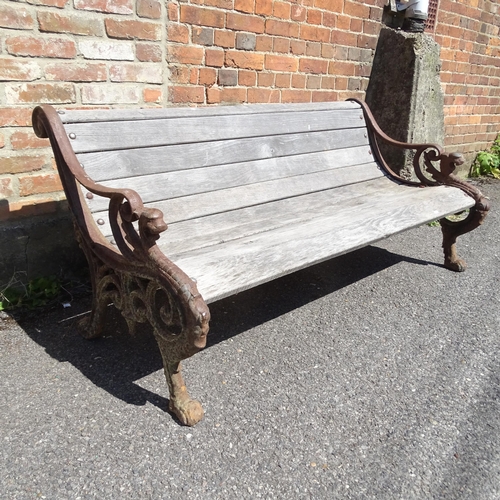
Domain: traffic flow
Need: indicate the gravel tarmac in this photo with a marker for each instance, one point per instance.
(375, 375)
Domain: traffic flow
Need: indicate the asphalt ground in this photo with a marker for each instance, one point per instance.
(374, 375)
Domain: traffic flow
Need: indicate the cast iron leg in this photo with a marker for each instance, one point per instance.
(452, 230)
(188, 411)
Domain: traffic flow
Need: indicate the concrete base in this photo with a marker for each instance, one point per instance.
(39, 246)
(405, 93)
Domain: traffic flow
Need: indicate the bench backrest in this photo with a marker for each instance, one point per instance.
(190, 162)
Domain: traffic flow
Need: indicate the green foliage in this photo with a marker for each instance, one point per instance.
(38, 292)
(487, 162)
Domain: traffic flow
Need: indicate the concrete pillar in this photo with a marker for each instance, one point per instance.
(404, 93)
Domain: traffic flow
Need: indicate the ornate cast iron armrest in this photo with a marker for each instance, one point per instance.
(428, 155)
(137, 278)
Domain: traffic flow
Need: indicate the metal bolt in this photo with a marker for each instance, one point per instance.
(89, 196)
(61, 111)
(72, 135)
(100, 222)
(113, 242)
(369, 152)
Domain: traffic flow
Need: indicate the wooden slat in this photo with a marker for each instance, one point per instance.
(228, 268)
(105, 136)
(208, 229)
(169, 185)
(97, 115)
(106, 165)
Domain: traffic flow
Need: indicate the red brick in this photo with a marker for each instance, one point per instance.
(150, 9)
(55, 93)
(224, 39)
(152, 95)
(31, 207)
(329, 20)
(330, 5)
(328, 82)
(172, 11)
(298, 13)
(283, 80)
(322, 96)
(107, 6)
(37, 184)
(356, 9)
(299, 81)
(317, 66)
(244, 59)
(244, 6)
(207, 76)
(367, 41)
(247, 78)
(15, 17)
(180, 74)
(15, 117)
(297, 47)
(178, 33)
(26, 140)
(202, 16)
(313, 82)
(281, 10)
(191, 94)
(148, 52)
(264, 7)
(19, 164)
(356, 25)
(18, 69)
(281, 63)
(343, 22)
(282, 28)
(296, 95)
(49, 3)
(314, 33)
(242, 22)
(314, 16)
(74, 72)
(233, 95)
(185, 54)
(342, 68)
(76, 24)
(344, 38)
(313, 49)
(214, 57)
(132, 30)
(281, 45)
(41, 47)
(264, 43)
(265, 79)
(263, 95)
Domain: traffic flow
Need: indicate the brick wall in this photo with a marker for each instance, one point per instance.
(81, 53)
(123, 53)
(468, 33)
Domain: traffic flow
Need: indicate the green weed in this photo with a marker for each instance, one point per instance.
(487, 162)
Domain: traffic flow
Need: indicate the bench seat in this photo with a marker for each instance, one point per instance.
(177, 208)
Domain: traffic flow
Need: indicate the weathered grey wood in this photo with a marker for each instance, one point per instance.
(106, 165)
(228, 268)
(96, 115)
(247, 185)
(205, 230)
(106, 136)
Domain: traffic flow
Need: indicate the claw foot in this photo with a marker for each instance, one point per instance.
(458, 265)
(189, 412)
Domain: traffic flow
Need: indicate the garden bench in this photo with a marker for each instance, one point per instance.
(250, 193)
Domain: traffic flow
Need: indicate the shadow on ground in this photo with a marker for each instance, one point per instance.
(114, 361)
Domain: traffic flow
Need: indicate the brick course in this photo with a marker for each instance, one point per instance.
(126, 53)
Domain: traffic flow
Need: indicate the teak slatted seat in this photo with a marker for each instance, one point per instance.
(250, 193)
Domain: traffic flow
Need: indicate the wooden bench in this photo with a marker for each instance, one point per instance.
(250, 193)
